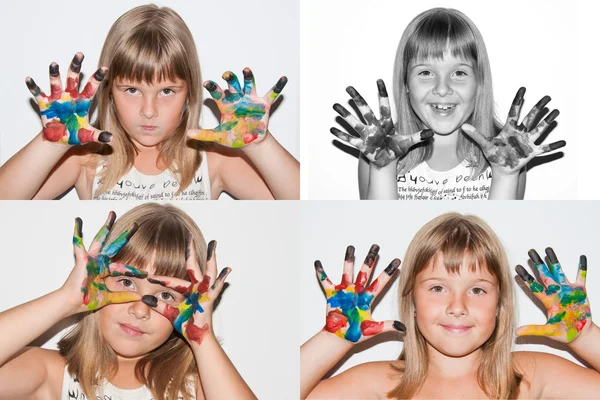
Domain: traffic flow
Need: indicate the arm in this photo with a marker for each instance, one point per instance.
(382, 183)
(363, 176)
(348, 322)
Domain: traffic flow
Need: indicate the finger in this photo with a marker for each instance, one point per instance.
(170, 312)
(249, 83)
(116, 245)
(276, 90)
(400, 144)
(34, 89)
(233, 83)
(538, 330)
(350, 119)
(582, 271)
(323, 279)
(215, 90)
(179, 285)
(474, 134)
(73, 76)
(208, 135)
(542, 126)
(542, 269)
(531, 283)
(216, 288)
(362, 105)
(109, 297)
(118, 269)
(211, 260)
(365, 270)
(384, 100)
(529, 120)
(546, 148)
(372, 328)
(93, 83)
(555, 268)
(348, 273)
(100, 238)
(78, 247)
(346, 137)
(379, 284)
(515, 109)
(55, 82)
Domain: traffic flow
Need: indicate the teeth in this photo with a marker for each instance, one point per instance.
(443, 107)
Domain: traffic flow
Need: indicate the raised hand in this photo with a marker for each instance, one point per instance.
(244, 115)
(567, 303)
(378, 141)
(65, 112)
(95, 264)
(514, 146)
(349, 304)
(193, 316)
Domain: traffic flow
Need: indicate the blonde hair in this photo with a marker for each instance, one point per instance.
(430, 35)
(160, 242)
(148, 44)
(454, 236)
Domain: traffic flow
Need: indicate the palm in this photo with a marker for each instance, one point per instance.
(566, 303)
(244, 115)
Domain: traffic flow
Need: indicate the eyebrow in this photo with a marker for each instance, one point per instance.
(455, 65)
(437, 278)
(123, 85)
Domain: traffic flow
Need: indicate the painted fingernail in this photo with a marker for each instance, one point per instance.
(210, 86)
(248, 74)
(211, 248)
(112, 216)
(351, 91)
(552, 116)
(340, 110)
(524, 274)
(318, 265)
(76, 63)
(583, 263)
(381, 88)
(557, 145)
(105, 137)
(54, 70)
(370, 259)
(535, 257)
(426, 134)
(150, 301)
(519, 97)
(349, 254)
(399, 326)
(132, 231)
(280, 84)
(551, 255)
(30, 84)
(79, 225)
(228, 76)
(223, 272)
(392, 267)
(100, 75)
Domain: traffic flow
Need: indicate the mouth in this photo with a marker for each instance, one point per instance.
(443, 109)
(456, 328)
(131, 330)
(148, 127)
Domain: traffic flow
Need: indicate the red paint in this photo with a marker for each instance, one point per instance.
(195, 333)
(343, 285)
(580, 324)
(55, 92)
(374, 286)
(88, 91)
(203, 288)
(361, 281)
(54, 131)
(171, 312)
(72, 88)
(335, 321)
(370, 328)
(249, 138)
(85, 136)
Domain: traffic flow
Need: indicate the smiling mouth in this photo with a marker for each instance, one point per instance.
(443, 107)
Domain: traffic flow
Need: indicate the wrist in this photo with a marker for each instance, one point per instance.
(253, 147)
(498, 172)
(334, 342)
(54, 147)
(204, 336)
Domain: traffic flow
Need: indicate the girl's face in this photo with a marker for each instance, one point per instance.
(442, 92)
(149, 113)
(133, 329)
(456, 313)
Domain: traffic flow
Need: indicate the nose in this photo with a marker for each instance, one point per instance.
(457, 306)
(139, 310)
(442, 86)
(149, 108)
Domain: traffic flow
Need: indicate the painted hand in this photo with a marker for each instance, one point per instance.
(244, 115)
(192, 317)
(349, 304)
(567, 303)
(98, 266)
(515, 145)
(65, 112)
(378, 141)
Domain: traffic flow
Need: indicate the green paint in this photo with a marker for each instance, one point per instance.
(77, 241)
(216, 95)
(553, 289)
(256, 111)
(571, 333)
(578, 296)
(323, 275)
(226, 127)
(583, 274)
(536, 287)
(237, 143)
(557, 318)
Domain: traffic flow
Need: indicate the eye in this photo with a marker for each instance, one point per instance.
(437, 289)
(425, 73)
(461, 73)
(131, 90)
(168, 92)
(165, 296)
(478, 291)
(126, 283)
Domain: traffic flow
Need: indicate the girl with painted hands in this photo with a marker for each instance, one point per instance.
(447, 143)
(145, 332)
(148, 105)
(456, 302)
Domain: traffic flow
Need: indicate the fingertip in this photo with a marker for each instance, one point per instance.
(280, 84)
(53, 70)
(535, 257)
(426, 134)
(100, 74)
(399, 326)
(212, 245)
(150, 301)
(468, 128)
(318, 265)
(105, 137)
(583, 262)
(349, 257)
(381, 88)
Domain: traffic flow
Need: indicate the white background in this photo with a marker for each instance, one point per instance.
(547, 46)
(256, 319)
(570, 228)
(262, 35)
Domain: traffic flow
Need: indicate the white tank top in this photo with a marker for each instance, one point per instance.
(424, 183)
(71, 390)
(137, 186)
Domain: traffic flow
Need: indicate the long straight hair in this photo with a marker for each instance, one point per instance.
(160, 242)
(431, 34)
(149, 44)
(458, 239)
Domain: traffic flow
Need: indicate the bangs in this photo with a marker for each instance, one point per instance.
(440, 33)
(149, 55)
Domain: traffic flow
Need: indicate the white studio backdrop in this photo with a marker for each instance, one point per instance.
(530, 43)
(229, 37)
(255, 317)
(328, 228)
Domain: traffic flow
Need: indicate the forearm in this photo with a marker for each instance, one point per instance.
(218, 376)
(278, 168)
(23, 174)
(503, 187)
(382, 183)
(23, 324)
(317, 356)
(587, 346)
(364, 170)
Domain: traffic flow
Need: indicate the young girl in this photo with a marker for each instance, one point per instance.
(123, 348)
(456, 304)
(442, 89)
(148, 97)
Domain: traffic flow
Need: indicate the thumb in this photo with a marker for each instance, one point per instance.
(91, 134)
(208, 135)
(538, 330)
(474, 134)
(372, 328)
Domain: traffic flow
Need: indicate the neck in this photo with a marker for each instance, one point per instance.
(444, 155)
(444, 367)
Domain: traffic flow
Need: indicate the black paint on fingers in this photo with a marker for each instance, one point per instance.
(370, 259)
(150, 301)
(100, 75)
(133, 230)
(381, 88)
(522, 272)
(280, 84)
(112, 217)
(222, 274)
(392, 267)
(79, 225)
(53, 69)
(76, 63)
(248, 74)
(211, 248)
(583, 263)
(210, 86)
(535, 257)
(555, 145)
(551, 255)
(519, 97)
(552, 116)
(358, 99)
(318, 265)
(399, 326)
(105, 137)
(542, 103)
(341, 110)
(426, 134)
(31, 85)
(349, 254)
